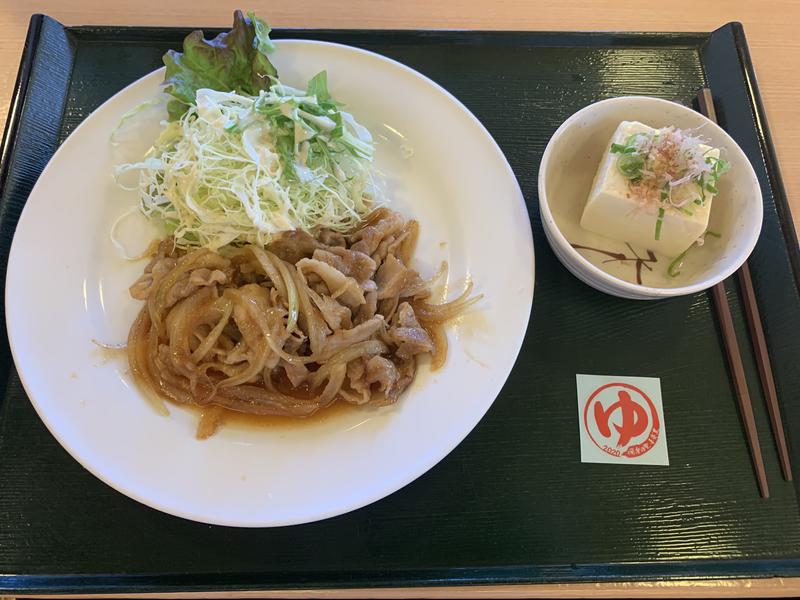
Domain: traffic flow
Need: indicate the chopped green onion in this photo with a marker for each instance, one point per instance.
(665, 192)
(711, 188)
(337, 131)
(718, 165)
(713, 234)
(698, 202)
(659, 222)
(701, 183)
(686, 211)
(630, 165)
(629, 147)
(674, 268)
(634, 138)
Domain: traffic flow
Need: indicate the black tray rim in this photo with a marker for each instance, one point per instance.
(112, 583)
(18, 96)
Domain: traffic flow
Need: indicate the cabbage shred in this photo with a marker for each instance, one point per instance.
(236, 169)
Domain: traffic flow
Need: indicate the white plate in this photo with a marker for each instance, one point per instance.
(67, 286)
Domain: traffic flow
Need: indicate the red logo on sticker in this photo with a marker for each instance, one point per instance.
(621, 420)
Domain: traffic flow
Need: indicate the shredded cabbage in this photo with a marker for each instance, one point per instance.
(236, 169)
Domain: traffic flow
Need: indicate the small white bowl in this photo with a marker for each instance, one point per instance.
(566, 173)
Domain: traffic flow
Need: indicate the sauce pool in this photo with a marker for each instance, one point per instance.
(243, 420)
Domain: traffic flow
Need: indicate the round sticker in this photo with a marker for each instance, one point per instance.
(621, 420)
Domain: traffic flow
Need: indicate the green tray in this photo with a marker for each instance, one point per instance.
(513, 503)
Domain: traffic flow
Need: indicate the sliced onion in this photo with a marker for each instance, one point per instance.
(292, 301)
(225, 306)
(368, 348)
(309, 315)
(269, 269)
(335, 381)
(441, 313)
(137, 359)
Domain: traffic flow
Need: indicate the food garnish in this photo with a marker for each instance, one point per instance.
(659, 162)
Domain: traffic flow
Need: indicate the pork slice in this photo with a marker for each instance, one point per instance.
(355, 372)
(296, 372)
(367, 310)
(360, 393)
(339, 285)
(388, 307)
(345, 338)
(336, 315)
(368, 238)
(206, 277)
(406, 368)
(406, 316)
(409, 336)
(382, 251)
(404, 243)
(382, 371)
(189, 284)
(394, 279)
(329, 237)
(292, 246)
(248, 325)
(153, 272)
(352, 263)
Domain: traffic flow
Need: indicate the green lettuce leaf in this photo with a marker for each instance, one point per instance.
(233, 61)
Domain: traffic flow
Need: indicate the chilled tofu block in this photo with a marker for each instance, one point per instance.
(614, 210)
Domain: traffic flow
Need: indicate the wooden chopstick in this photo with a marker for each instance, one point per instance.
(706, 104)
(757, 334)
(740, 383)
(764, 368)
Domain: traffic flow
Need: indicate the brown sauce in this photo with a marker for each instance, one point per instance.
(240, 420)
(237, 421)
(245, 421)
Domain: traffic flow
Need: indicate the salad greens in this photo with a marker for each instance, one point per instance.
(232, 61)
(246, 156)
